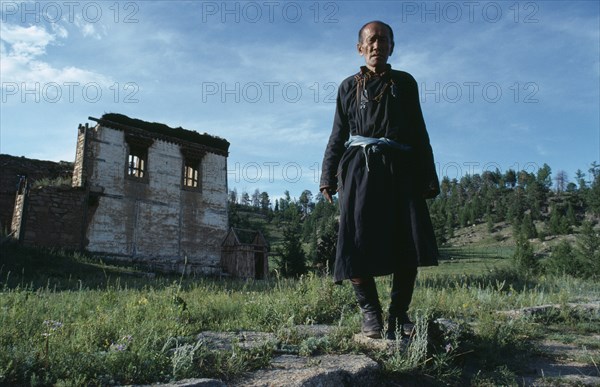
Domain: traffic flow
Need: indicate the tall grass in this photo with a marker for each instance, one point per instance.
(67, 319)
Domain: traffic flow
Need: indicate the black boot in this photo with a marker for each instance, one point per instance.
(403, 285)
(368, 300)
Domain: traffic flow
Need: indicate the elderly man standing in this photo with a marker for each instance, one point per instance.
(380, 161)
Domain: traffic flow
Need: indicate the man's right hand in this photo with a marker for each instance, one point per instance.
(327, 194)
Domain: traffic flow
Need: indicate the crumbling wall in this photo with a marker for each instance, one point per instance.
(50, 217)
(11, 168)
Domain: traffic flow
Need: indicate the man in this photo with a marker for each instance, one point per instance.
(380, 161)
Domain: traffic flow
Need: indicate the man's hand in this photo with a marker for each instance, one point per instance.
(431, 192)
(327, 194)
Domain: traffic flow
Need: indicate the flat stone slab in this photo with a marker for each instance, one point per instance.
(224, 341)
(316, 330)
(189, 383)
(316, 371)
(588, 307)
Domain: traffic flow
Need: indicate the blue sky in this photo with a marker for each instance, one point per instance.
(504, 84)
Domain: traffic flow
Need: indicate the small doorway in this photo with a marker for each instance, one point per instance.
(259, 265)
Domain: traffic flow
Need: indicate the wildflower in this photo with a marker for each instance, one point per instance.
(53, 325)
(448, 348)
(122, 344)
(118, 347)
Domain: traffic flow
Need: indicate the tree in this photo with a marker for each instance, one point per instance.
(292, 261)
(570, 215)
(306, 201)
(256, 198)
(561, 179)
(245, 201)
(583, 260)
(562, 259)
(510, 178)
(544, 176)
(326, 244)
(528, 227)
(558, 223)
(524, 178)
(593, 194)
(515, 206)
(284, 202)
(265, 203)
(489, 221)
(523, 257)
(588, 250)
(571, 187)
(580, 177)
(233, 196)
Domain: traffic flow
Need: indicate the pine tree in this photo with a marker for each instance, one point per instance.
(593, 193)
(326, 244)
(245, 201)
(528, 228)
(292, 262)
(489, 221)
(588, 250)
(558, 224)
(265, 202)
(524, 257)
(570, 216)
(449, 226)
(562, 259)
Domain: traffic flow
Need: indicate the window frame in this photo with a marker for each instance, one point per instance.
(194, 166)
(138, 149)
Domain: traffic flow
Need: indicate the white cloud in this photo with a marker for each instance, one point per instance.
(26, 42)
(87, 29)
(22, 50)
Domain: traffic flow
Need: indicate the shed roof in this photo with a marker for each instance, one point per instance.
(247, 237)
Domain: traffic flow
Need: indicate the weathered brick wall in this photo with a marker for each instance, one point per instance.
(53, 217)
(156, 222)
(11, 167)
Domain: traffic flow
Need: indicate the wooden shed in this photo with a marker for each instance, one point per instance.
(244, 254)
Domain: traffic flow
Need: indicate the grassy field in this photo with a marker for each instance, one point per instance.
(68, 320)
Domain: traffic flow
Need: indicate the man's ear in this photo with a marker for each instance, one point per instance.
(359, 49)
(391, 49)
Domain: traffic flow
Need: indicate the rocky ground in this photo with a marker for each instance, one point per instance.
(556, 363)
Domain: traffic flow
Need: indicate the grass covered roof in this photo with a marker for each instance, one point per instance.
(163, 130)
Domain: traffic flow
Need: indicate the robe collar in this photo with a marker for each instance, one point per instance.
(367, 73)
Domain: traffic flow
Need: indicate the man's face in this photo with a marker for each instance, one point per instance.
(376, 46)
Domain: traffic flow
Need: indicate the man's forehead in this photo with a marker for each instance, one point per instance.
(376, 29)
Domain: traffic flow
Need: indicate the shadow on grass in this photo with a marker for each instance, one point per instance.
(60, 270)
(56, 269)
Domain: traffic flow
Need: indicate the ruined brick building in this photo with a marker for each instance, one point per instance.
(141, 192)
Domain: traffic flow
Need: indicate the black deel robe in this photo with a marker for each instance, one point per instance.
(384, 221)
